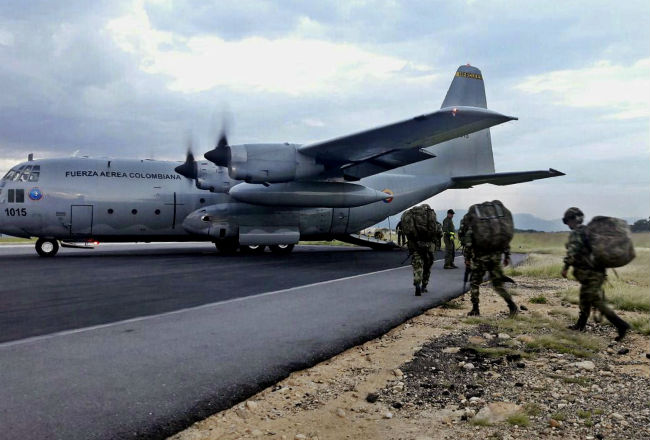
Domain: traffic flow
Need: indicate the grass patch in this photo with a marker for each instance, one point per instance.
(454, 305)
(519, 419)
(584, 414)
(325, 243)
(480, 422)
(582, 381)
(540, 299)
(560, 416)
(538, 266)
(640, 324)
(599, 411)
(580, 345)
(16, 240)
(532, 409)
(496, 352)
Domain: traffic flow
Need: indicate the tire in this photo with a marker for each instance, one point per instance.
(282, 248)
(252, 249)
(46, 247)
(227, 247)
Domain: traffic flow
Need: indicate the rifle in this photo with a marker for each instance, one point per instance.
(468, 271)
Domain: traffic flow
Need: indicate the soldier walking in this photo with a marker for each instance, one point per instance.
(591, 277)
(449, 234)
(486, 238)
(421, 229)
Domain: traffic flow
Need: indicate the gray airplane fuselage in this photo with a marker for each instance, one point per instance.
(145, 200)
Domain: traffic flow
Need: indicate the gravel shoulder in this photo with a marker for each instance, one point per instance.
(443, 375)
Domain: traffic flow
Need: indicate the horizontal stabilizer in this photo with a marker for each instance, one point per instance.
(502, 178)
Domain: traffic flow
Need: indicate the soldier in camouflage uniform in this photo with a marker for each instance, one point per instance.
(591, 278)
(422, 256)
(449, 234)
(491, 263)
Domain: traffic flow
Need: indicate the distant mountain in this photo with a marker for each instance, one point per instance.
(523, 221)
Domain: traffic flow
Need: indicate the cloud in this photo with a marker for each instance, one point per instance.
(289, 65)
(622, 90)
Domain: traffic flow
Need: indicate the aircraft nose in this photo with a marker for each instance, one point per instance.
(197, 222)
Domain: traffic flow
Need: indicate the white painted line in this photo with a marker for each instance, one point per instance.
(189, 309)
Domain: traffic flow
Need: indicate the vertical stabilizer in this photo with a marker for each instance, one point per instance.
(466, 89)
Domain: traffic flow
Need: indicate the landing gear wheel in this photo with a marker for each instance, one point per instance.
(227, 247)
(47, 247)
(252, 249)
(281, 248)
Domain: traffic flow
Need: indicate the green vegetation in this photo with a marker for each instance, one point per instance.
(582, 381)
(640, 323)
(519, 419)
(479, 422)
(496, 352)
(16, 240)
(584, 414)
(552, 335)
(325, 243)
(532, 409)
(560, 416)
(540, 299)
(454, 305)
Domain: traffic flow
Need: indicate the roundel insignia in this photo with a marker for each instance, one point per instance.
(35, 194)
(390, 193)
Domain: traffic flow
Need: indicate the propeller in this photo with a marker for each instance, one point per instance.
(188, 169)
(220, 155)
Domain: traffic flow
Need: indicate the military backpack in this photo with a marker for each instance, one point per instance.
(419, 224)
(610, 242)
(491, 225)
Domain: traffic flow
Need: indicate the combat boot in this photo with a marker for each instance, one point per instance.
(581, 324)
(621, 327)
(418, 292)
(475, 311)
(512, 308)
(424, 288)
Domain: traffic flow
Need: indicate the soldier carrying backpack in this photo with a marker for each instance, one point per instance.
(591, 249)
(422, 232)
(489, 229)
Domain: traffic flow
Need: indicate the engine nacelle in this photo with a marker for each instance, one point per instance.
(214, 180)
(270, 163)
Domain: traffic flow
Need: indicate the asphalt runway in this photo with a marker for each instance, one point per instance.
(140, 341)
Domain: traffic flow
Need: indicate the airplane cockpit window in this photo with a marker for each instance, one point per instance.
(9, 175)
(36, 172)
(24, 176)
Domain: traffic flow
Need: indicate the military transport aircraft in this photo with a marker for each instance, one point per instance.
(259, 195)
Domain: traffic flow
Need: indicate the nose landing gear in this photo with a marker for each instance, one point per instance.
(46, 247)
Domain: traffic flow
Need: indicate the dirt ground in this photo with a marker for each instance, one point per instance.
(443, 376)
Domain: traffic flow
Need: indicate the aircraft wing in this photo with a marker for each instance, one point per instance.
(394, 145)
(502, 178)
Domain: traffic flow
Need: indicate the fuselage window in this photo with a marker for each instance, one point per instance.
(10, 196)
(24, 176)
(134, 211)
(110, 210)
(202, 200)
(157, 211)
(36, 172)
(20, 196)
(18, 173)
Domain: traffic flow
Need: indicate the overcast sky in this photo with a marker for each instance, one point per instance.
(133, 78)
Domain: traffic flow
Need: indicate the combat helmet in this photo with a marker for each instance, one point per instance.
(573, 213)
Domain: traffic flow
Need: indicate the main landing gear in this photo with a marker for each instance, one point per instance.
(230, 247)
(47, 247)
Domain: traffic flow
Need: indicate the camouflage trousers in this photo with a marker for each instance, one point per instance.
(421, 260)
(592, 294)
(490, 263)
(449, 251)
